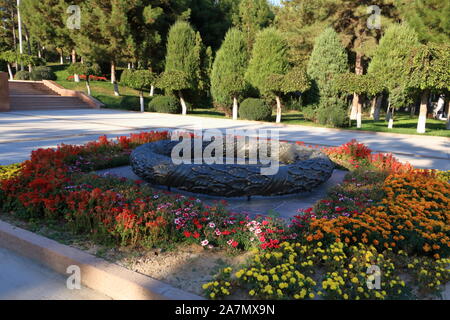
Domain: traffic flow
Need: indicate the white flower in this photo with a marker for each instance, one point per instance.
(205, 243)
(212, 225)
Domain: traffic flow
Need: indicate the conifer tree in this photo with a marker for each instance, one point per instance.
(269, 57)
(228, 73)
(389, 59)
(182, 58)
(327, 62)
(105, 33)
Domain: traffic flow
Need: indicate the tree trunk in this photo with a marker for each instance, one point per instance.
(152, 91)
(376, 113)
(61, 57)
(279, 110)
(359, 112)
(235, 108)
(74, 56)
(39, 50)
(88, 86)
(354, 110)
(141, 100)
(421, 125)
(390, 116)
(183, 104)
(113, 72)
(30, 68)
(113, 79)
(11, 77)
(359, 70)
(76, 78)
(373, 107)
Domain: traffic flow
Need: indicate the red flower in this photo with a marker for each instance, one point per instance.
(196, 235)
(187, 234)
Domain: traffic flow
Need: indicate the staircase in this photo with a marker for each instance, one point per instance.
(25, 95)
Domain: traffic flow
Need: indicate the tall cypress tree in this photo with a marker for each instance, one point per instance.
(389, 60)
(228, 73)
(269, 58)
(183, 57)
(328, 60)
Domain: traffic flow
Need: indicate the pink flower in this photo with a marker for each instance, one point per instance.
(205, 243)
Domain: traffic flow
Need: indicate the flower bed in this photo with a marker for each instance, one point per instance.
(385, 209)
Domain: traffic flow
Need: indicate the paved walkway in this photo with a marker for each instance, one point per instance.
(21, 132)
(24, 279)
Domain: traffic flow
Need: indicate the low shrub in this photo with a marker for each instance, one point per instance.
(332, 115)
(10, 171)
(255, 109)
(42, 73)
(165, 104)
(22, 75)
(133, 103)
(309, 113)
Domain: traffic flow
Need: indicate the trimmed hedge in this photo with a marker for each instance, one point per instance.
(42, 73)
(133, 102)
(255, 109)
(165, 104)
(22, 75)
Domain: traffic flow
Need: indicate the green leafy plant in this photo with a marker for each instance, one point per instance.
(165, 104)
(255, 109)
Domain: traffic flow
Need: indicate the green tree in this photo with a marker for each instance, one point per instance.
(327, 62)
(46, 21)
(87, 69)
(10, 57)
(429, 18)
(182, 58)
(105, 33)
(363, 86)
(228, 72)
(175, 82)
(254, 15)
(140, 80)
(428, 70)
(269, 57)
(389, 59)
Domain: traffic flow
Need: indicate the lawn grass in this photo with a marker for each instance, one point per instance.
(103, 91)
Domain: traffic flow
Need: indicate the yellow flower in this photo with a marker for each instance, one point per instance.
(355, 280)
(252, 292)
(311, 295)
(212, 295)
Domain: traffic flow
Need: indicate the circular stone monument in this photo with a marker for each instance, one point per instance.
(301, 169)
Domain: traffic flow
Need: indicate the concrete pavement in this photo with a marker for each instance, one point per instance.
(21, 132)
(24, 279)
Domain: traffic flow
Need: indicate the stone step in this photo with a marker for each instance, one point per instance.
(45, 102)
(29, 88)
